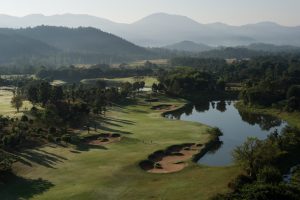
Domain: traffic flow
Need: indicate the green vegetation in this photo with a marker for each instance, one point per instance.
(112, 172)
(6, 108)
(293, 118)
(60, 45)
(149, 81)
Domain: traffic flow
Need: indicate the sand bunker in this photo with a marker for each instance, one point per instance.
(103, 139)
(173, 159)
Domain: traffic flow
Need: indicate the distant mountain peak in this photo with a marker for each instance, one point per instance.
(165, 17)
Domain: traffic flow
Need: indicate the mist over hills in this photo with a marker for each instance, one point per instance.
(189, 46)
(162, 29)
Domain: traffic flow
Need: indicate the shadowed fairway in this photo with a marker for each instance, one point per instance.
(112, 172)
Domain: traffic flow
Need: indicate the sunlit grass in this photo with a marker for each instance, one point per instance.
(112, 172)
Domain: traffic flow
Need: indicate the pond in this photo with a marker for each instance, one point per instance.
(235, 125)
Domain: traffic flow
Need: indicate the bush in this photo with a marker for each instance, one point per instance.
(216, 132)
(50, 138)
(57, 139)
(239, 181)
(24, 118)
(34, 110)
(66, 138)
(269, 174)
(75, 139)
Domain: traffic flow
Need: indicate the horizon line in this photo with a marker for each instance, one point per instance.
(155, 13)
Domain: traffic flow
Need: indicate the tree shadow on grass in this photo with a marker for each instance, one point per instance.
(40, 157)
(123, 121)
(87, 147)
(105, 125)
(15, 188)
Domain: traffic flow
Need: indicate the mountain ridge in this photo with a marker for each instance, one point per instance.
(161, 29)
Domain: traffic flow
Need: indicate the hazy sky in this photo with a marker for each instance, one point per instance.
(235, 12)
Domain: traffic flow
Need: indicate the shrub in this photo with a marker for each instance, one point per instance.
(66, 138)
(24, 118)
(146, 164)
(75, 139)
(50, 138)
(269, 174)
(239, 181)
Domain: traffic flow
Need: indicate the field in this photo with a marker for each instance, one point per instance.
(5, 106)
(112, 171)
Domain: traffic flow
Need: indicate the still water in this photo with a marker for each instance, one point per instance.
(236, 127)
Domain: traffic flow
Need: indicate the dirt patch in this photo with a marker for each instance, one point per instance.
(171, 160)
(103, 139)
(164, 107)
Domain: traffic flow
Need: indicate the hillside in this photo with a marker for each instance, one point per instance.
(16, 47)
(189, 46)
(77, 45)
(158, 29)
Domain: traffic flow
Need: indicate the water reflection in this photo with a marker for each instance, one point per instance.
(236, 126)
(265, 122)
(221, 106)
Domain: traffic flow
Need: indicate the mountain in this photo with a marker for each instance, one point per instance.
(160, 29)
(189, 46)
(272, 48)
(77, 45)
(232, 52)
(14, 46)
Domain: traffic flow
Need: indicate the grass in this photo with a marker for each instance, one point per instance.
(147, 79)
(58, 83)
(138, 63)
(5, 106)
(292, 118)
(112, 172)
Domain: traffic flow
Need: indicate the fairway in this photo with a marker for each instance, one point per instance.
(5, 106)
(112, 171)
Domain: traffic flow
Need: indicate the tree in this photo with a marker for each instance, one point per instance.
(154, 87)
(269, 174)
(32, 94)
(101, 84)
(44, 92)
(6, 160)
(57, 94)
(142, 84)
(255, 154)
(17, 102)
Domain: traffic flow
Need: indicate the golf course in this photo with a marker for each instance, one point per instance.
(111, 171)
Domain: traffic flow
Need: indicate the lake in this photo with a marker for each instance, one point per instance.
(235, 125)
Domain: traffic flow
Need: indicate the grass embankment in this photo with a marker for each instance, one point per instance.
(112, 171)
(292, 118)
(5, 106)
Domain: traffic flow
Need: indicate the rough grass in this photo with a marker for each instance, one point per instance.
(112, 172)
(5, 106)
